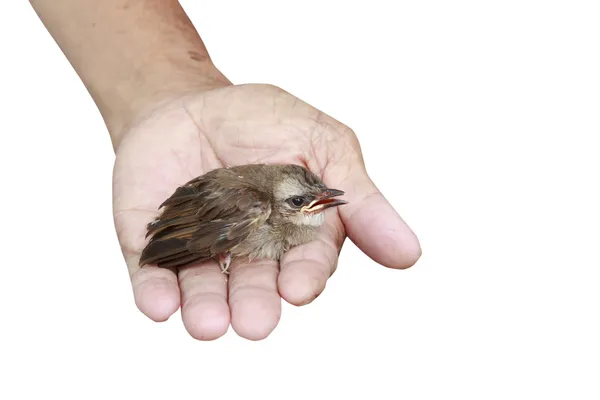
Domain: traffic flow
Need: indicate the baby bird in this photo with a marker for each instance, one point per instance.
(256, 211)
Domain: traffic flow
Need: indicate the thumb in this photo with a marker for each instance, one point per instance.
(370, 220)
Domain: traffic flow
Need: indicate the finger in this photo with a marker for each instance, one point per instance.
(155, 290)
(204, 308)
(253, 298)
(306, 268)
(370, 220)
(135, 203)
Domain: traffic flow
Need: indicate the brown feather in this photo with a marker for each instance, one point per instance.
(240, 211)
(209, 215)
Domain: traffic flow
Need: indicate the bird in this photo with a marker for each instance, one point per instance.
(252, 211)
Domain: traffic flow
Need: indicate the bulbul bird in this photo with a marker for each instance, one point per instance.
(256, 211)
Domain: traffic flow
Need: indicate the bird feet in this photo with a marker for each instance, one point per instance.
(224, 260)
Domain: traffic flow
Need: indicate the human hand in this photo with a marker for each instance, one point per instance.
(172, 115)
(232, 125)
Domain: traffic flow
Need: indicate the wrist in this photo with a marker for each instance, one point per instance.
(137, 98)
(130, 55)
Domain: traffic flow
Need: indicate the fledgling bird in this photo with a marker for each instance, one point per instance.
(253, 211)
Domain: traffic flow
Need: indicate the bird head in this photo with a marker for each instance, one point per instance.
(301, 197)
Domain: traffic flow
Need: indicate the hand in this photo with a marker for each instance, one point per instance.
(233, 125)
(147, 55)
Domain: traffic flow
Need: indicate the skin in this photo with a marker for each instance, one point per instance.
(173, 116)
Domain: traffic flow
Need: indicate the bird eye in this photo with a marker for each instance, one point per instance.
(297, 201)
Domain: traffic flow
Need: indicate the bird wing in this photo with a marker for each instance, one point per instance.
(202, 219)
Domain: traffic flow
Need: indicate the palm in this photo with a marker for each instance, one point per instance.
(241, 125)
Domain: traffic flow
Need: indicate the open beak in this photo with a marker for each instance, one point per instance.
(324, 201)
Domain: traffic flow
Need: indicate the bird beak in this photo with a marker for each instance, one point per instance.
(324, 201)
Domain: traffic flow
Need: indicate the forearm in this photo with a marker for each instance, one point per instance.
(129, 54)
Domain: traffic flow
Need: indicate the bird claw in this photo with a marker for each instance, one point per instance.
(224, 262)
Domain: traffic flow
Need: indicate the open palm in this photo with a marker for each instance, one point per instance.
(241, 125)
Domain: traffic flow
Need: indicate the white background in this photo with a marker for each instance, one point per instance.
(478, 120)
